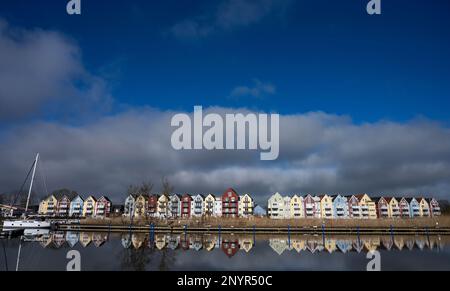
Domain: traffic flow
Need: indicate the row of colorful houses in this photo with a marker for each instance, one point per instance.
(67, 205)
(354, 206)
(230, 204)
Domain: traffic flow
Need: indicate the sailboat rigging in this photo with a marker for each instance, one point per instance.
(25, 223)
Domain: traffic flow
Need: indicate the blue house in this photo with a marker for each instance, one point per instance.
(259, 211)
(340, 207)
(414, 207)
(76, 207)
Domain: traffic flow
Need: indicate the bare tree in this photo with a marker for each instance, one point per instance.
(167, 188)
(146, 188)
(132, 190)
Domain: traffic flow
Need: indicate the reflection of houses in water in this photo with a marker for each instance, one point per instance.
(209, 242)
(160, 241)
(278, 245)
(371, 244)
(344, 246)
(399, 242)
(99, 239)
(72, 238)
(330, 245)
(410, 244)
(174, 242)
(358, 245)
(58, 239)
(45, 240)
(387, 242)
(313, 246)
(421, 242)
(298, 245)
(185, 242)
(197, 243)
(138, 240)
(230, 247)
(246, 244)
(85, 239)
(126, 241)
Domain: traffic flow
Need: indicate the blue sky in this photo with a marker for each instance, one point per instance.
(318, 55)
(362, 99)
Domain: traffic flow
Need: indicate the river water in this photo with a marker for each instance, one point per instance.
(138, 251)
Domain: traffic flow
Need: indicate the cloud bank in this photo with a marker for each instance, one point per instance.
(319, 153)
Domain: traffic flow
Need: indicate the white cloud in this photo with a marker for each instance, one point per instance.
(42, 71)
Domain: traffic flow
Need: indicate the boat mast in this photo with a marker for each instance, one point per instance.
(31, 184)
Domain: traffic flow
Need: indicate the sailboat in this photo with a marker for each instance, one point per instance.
(24, 223)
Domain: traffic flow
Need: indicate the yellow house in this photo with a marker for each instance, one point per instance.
(298, 244)
(393, 207)
(368, 207)
(246, 205)
(330, 245)
(48, 206)
(141, 206)
(326, 206)
(89, 206)
(424, 208)
(296, 207)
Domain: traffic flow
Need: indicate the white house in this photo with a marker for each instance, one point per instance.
(197, 206)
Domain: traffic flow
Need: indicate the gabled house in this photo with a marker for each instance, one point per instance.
(414, 207)
(197, 209)
(297, 207)
(230, 247)
(424, 207)
(403, 205)
(163, 206)
(382, 208)
(246, 205)
(394, 209)
(209, 205)
(175, 206)
(76, 207)
(186, 204)
(218, 207)
(141, 206)
(103, 207)
(276, 206)
(435, 209)
(89, 206)
(287, 207)
(129, 206)
(259, 211)
(326, 207)
(230, 203)
(152, 205)
(340, 207)
(317, 206)
(310, 206)
(354, 208)
(63, 206)
(47, 206)
(368, 207)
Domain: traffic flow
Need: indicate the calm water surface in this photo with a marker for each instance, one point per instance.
(127, 251)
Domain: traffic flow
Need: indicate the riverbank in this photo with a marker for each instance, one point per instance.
(439, 225)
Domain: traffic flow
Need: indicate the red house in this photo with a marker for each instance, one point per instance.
(186, 201)
(435, 209)
(230, 203)
(152, 205)
(103, 207)
(404, 207)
